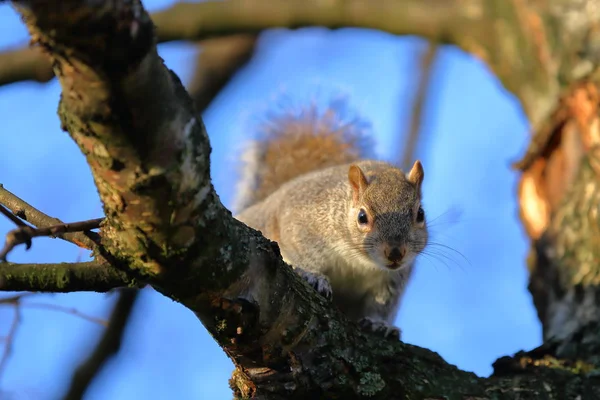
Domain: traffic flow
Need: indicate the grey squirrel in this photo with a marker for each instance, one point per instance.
(350, 227)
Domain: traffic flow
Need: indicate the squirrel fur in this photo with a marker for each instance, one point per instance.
(351, 227)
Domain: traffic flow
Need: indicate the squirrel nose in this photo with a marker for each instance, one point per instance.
(396, 254)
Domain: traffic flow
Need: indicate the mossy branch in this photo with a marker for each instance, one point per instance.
(62, 277)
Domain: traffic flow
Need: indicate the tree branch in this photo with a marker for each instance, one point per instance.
(23, 210)
(10, 336)
(13, 218)
(426, 73)
(24, 64)
(218, 61)
(108, 345)
(25, 233)
(62, 277)
(517, 39)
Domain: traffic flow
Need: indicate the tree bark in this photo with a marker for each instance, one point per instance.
(560, 200)
(149, 155)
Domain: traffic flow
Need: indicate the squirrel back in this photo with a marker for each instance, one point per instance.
(295, 142)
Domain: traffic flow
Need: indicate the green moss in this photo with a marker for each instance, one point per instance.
(221, 325)
(62, 278)
(575, 367)
(370, 384)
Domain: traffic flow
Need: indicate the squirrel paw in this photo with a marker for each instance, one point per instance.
(318, 281)
(380, 328)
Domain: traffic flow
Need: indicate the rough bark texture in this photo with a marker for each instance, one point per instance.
(560, 200)
(149, 154)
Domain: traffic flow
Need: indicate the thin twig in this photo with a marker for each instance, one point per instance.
(67, 310)
(108, 345)
(8, 214)
(9, 339)
(26, 212)
(427, 61)
(15, 299)
(17, 303)
(24, 234)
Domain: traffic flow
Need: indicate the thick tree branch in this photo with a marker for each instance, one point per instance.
(149, 154)
(531, 46)
(62, 277)
(24, 64)
(559, 193)
(218, 60)
(519, 40)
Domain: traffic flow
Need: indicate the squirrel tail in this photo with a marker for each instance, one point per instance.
(296, 142)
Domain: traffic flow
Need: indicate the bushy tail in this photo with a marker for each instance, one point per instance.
(293, 143)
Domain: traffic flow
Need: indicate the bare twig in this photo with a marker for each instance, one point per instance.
(25, 233)
(18, 304)
(15, 299)
(9, 339)
(426, 71)
(67, 310)
(27, 212)
(6, 212)
(108, 345)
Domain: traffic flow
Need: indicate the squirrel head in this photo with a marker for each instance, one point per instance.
(386, 218)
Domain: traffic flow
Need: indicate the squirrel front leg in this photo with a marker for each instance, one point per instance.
(304, 263)
(381, 309)
(380, 327)
(317, 280)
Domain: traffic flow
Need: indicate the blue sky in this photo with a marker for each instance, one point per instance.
(470, 309)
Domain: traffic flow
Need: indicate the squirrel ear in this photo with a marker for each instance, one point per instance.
(416, 174)
(358, 181)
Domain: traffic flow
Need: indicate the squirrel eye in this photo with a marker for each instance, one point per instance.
(363, 219)
(420, 215)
